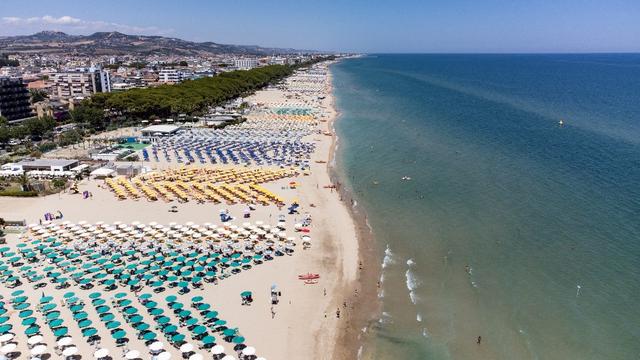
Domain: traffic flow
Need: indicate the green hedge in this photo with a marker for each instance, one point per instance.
(19, 193)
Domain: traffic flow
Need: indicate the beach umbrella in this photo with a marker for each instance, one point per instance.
(135, 319)
(112, 324)
(202, 307)
(6, 337)
(119, 334)
(32, 340)
(84, 323)
(88, 332)
(132, 354)
(69, 294)
(163, 320)
(33, 329)
(5, 328)
(156, 346)
(156, 311)
(199, 330)
(70, 351)
(125, 302)
(149, 336)
(120, 295)
(130, 310)
(55, 323)
(107, 317)
(220, 322)
(186, 348)
(38, 349)
(65, 341)
(53, 315)
(238, 340)
(142, 326)
(217, 350)
(98, 302)
(163, 356)
(191, 321)
(45, 299)
(249, 351)
(177, 306)
(61, 331)
(25, 313)
(101, 353)
(48, 307)
(95, 295)
(29, 321)
(10, 347)
(177, 338)
(151, 304)
(80, 316)
(102, 309)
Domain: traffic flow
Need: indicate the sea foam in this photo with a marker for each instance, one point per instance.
(412, 282)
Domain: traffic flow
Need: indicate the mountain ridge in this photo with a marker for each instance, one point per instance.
(117, 43)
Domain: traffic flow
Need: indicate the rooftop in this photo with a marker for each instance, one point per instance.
(48, 162)
(161, 128)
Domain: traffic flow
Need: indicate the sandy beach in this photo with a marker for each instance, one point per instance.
(305, 325)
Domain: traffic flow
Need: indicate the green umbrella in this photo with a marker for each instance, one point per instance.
(87, 332)
(112, 324)
(238, 340)
(199, 330)
(119, 334)
(149, 336)
(208, 340)
(29, 321)
(33, 329)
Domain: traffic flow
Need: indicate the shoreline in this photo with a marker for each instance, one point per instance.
(354, 334)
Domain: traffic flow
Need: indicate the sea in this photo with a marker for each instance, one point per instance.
(503, 192)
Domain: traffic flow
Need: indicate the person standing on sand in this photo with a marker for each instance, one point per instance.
(338, 313)
(479, 340)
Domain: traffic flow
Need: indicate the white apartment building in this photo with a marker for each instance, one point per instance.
(80, 82)
(170, 76)
(245, 63)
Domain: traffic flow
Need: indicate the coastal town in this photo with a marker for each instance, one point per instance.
(206, 229)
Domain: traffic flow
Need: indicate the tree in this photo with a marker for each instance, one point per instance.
(38, 95)
(90, 115)
(58, 183)
(3, 120)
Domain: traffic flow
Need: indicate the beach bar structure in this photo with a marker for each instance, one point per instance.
(53, 165)
(159, 130)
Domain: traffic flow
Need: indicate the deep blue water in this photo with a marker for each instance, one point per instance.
(512, 227)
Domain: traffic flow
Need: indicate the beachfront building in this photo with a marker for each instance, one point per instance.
(80, 82)
(14, 99)
(170, 76)
(159, 130)
(245, 63)
(53, 165)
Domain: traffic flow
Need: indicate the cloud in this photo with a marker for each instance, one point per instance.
(72, 24)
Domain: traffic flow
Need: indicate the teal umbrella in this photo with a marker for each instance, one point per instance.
(94, 295)
(4, 319)
(202, 307)
(156, 311)
(208, 340)
(45, 299)
(135, 319)
(238, 340)
(112, 324)
(211, 314)
(19, 299)
(199, 330)
(102, 309)
(29, 321)
(120, 295)
(184, 313)
(149, 336)
(84, 323)
(142, 326)
(55, 323)
(107, 317)
(177, 338)
(17, 293)
(87, 332)
(33, 329)
(177, 306)
(151, 304)
(130, 310)
(61, 331)
(48, 307)
(229, 332)
(125, 302)
(119, 334)
(98, 302)
(145, 296)
(76, 308)
(80, 316)
(170, 329)
(53, 315)
(25, 313)
(191, 321)
(220, 322)
(21, 306)
(5, 328)
(163, 320)
(196, 299)
(183, 284)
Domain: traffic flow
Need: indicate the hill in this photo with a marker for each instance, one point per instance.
(116, 43)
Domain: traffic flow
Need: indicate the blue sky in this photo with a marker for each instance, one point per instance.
(362, 26)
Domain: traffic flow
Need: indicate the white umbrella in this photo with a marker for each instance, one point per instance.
(228, 357)
(186, 347)
(248, 351)
(6, 337)
(72, 350)
(8, 348)
(38, 349)
(217, 350)
(133, 354)
(164, 356)
(100, 353)
(156, 346)
(65, 341)
(196, 357)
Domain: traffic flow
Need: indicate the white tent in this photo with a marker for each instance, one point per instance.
(102, 172)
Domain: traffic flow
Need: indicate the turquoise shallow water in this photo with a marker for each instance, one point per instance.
(512, 227)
